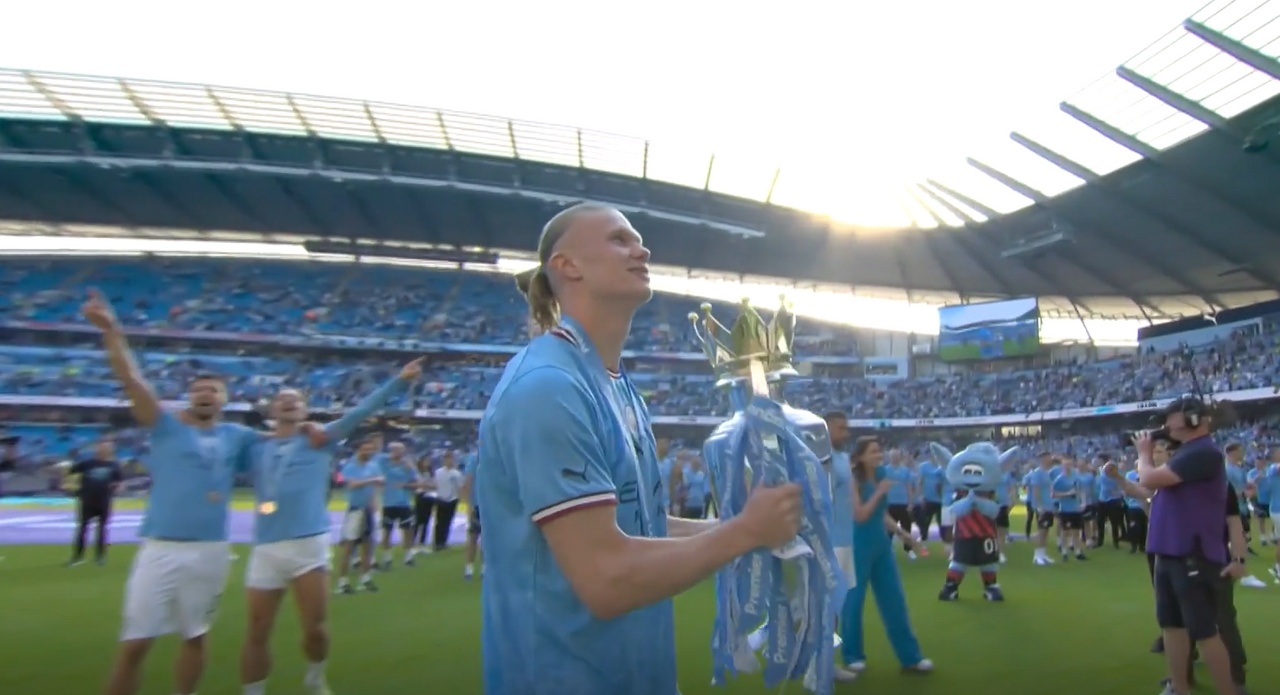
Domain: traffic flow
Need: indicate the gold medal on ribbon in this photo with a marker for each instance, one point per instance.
(267, 508)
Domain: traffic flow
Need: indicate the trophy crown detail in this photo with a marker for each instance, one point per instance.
(731, 351)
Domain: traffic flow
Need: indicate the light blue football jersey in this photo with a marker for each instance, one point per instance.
(559, 436)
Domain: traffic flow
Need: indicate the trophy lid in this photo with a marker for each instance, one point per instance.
(731, 351)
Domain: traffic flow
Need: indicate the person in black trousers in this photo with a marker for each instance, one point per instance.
(424, 503)
(448, 487)
(99, 478)
(1111, 509)
(1225, 608)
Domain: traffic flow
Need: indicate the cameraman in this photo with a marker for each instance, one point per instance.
(1228, 627)
(1186, 537)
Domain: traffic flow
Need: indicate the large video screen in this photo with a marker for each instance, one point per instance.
(989, 331)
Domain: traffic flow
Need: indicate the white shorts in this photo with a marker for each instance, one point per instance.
(275, 565)
(946, 518)
(174, 587)
(358, 525)
(844, 558)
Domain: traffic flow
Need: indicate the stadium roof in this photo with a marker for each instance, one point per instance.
(1184, 222)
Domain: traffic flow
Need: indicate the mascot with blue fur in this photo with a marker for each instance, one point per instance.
(975, 475)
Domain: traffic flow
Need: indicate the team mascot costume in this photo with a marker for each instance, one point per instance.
(792, 594)
(975, 475)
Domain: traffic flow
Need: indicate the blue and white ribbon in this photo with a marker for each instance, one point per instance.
(795, 591)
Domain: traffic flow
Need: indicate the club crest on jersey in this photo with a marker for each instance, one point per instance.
(632, 422)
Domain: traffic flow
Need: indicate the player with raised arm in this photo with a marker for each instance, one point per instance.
(581, 568)
(181, 567)
(291, 529)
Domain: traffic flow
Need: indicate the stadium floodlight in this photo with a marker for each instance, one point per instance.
(1037, 244)
(1260, 138)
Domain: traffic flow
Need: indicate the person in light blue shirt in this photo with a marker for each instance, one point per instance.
(180, 569)
(1067, 492)
(931, 483)
(899, 496)
(362, 477)
(581, 563)
(1040, 494)
(474, 551)
(1006, 492)
(696, 490)
(841, 471)
(1135, 510)
(291, 528)
(1111, 507)
(1273, 479)
(402, 480)
(1260, 485)
(1087, 480)
(666, 462)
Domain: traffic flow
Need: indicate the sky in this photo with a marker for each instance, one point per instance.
(853, 100)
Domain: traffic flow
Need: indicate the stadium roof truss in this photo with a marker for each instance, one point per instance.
(1176, 190)
(1170, 217)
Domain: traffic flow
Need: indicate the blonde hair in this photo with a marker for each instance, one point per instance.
(535, 284)
(544, 310)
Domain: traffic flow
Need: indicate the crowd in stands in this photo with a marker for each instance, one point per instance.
(391, 303)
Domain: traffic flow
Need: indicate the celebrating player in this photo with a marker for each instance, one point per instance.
(181, 567)
(362, 475)
(402, 480)
(291, 529)
(577, 600)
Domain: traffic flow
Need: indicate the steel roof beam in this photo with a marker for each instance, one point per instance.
(1172, 98)
(1195, 179)
(1080, 261)
(1109, 131)
(348, 176)
(1249, 56)
(768, 199)
(959, 239)
(930, 245)
(899, 253)
(1166, 220)
(1183, 104)
(1153, 261)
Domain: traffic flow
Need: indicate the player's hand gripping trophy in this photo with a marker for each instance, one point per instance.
(794, 591)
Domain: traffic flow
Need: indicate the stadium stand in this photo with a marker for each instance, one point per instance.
(111, 157)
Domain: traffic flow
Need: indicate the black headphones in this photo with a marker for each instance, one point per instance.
(1193, 408)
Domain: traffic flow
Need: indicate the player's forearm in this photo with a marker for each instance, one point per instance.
(344, 426)
(146, 408)
(643, 571)
(684, 528)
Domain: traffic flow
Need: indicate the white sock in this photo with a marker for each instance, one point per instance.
(315, 673)
(469, 568)
(366, 577)
(342, 581)
(255, 688)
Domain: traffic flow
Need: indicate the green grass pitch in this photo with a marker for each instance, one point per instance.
(1073, 628)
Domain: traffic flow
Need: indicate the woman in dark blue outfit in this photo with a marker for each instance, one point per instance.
(875, 565)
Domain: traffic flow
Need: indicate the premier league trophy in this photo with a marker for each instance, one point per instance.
(792, 595)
